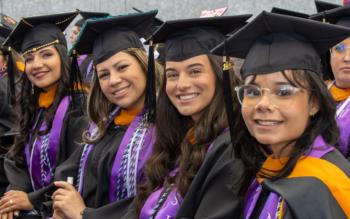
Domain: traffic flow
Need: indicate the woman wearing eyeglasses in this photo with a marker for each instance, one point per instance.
(340, 67)
(290, 117)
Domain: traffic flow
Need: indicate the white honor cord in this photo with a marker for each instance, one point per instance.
(70, 180)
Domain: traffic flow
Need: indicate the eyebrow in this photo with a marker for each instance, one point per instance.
(187, 67)
(45, 50)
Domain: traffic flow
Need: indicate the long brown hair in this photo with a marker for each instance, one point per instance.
(172, 148)
(323, 123)
(29, 97)
(99, 107)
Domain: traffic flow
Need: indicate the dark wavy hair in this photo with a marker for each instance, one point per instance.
(323, 123)
(29, 97)
(173, 149)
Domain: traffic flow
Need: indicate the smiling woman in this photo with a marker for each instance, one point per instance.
(110, 164)
(43, 67)
(52, 118)
(290, 116)
(181, 178)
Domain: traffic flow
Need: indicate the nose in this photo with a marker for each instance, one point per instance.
(347, 55)
(115, 79)
(184, 82)
(37, 63)
(265, 104)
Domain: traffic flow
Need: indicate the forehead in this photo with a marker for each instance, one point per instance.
(118, 57)
(50, 48)
(270, 79)
(200, 59)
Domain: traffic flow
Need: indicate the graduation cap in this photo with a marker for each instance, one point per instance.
(274, 42)
(33, 33)
(191, 37)
(87, 15)
(324, 6)
(288, 12)
(187, 38)
(107, 36)
(339, 16)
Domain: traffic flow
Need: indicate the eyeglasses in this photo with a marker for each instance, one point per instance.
(281, 96)
(340, 49)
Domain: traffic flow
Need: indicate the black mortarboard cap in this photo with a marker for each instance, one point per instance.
(106, 36)
(87, 15)
(33, 33)
(324, 6)
(274, 42)
(289, 12)
(339, 16)
(191, 37)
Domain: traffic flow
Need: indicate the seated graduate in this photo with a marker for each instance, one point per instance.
(193, 162)
(289, 114)
(121, 108)
(339, 65)
(51, 112)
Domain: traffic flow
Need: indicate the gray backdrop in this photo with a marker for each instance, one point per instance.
(168, 9)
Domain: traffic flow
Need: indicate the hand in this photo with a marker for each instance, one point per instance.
(57, 215)
(9, 215)
(67, 200)
(15, 201)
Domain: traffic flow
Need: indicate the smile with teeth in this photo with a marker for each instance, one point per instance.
(268, 122)
(187, 96)
(121, 91)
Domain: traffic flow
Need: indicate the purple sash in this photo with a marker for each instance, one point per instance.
(41, 157)
(170, 206)
(93, 130)
(133, 152)
(343, 122)
(273, 203)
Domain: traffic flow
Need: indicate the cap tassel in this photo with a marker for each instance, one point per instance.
(75, 76)
(150, 97)
(11, 90)
(228, 94)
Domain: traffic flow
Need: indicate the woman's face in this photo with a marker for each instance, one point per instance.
(190, 85)
(122, 80)
(74, 34)
(340, 63)
(43, 67)
(280, 114)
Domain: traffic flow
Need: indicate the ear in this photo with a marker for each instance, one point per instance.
(314, 108)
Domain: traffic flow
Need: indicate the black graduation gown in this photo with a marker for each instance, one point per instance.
(213, 192)
(8, 128)
(96, 176)
(74, 123)
(308, 197)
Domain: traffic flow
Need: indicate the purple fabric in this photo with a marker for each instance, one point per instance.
(343, 122)
(81, 59)
(34, 158)
(168, 210)
(90, 146)
(318, 149)
(172, 203)
(148, 141)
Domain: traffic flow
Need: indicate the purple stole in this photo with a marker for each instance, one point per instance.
(164, 202)
(132, 154)
(343, 122)
(41, 157)
(80, 61)
(275, 202)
